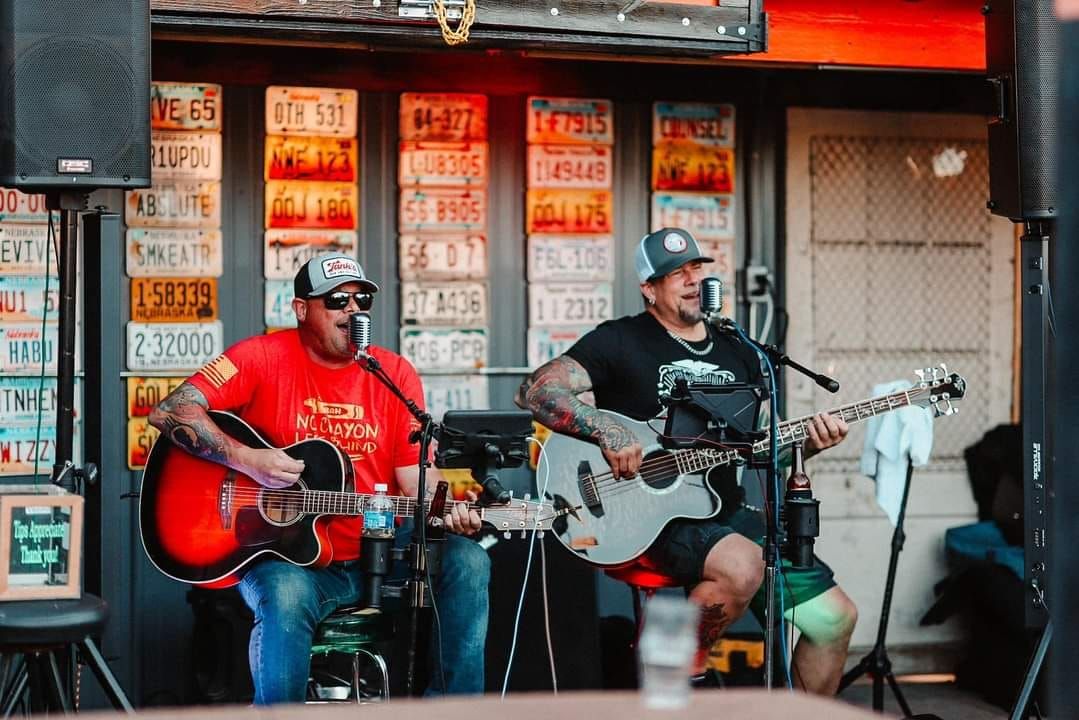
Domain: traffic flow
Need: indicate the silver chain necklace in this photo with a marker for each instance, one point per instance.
(682, 341)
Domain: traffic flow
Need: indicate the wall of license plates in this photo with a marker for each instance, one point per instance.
(312, 197)
(442, 246)
(29, 337)
(569, 221)
(693, 181)
(173, 253)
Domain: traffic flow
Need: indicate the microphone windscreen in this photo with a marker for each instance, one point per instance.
(359, 330)
(711, 290)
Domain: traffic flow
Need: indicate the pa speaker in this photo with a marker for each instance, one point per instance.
(74, 94)
(1021, 62)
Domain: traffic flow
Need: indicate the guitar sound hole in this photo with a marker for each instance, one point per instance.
(659, 470)
(281, 508)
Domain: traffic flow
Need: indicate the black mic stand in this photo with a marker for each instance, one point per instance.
(772, 499)
(417, 585)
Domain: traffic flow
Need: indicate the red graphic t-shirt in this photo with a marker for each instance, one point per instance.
(270, 382)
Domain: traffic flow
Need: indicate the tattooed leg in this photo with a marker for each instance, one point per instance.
(714, 622)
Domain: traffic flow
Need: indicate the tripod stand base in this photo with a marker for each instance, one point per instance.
(877, 665)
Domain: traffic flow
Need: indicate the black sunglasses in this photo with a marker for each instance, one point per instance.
(339, 300)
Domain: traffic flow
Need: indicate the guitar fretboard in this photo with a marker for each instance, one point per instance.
(322, 502)
(792, 431)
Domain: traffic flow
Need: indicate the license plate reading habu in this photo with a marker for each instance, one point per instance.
(553, 120)
(445, 348)
(175, 203)
(705, 216)
(173, 252)
(695, 122)
(173, 299)
(569, 303)
(311, 111)
(24, 347)
(569, 166)
(172, 346)
(186, 155)
(442, 209)
(442, 164)
(443, 117)
(692, 167)
(450, 303)
(18, 207)
(286, 251)
(568, 258)
(442, 257)
(185, 106)
(311, 205)
(310, 158)
(144, 393)
(23, 298)
(569, 211)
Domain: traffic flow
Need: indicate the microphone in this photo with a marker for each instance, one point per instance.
(359, 332)
(711, 291)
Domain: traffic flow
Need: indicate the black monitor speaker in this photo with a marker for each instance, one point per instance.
(1021, 50)
(74, 94)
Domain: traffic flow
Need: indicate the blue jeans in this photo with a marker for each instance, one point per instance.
(290, 601)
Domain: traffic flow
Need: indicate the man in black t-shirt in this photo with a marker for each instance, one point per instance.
(627, 364)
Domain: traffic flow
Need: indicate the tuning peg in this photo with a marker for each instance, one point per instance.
(920, 374)
(527, 496)
(507, 535)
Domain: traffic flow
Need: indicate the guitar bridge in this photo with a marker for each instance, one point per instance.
(224, 500)
(586, 483)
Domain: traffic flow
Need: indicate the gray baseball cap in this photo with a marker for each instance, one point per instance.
(664, 251)
(323, 273)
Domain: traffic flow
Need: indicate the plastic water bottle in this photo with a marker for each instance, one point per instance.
(378, 514)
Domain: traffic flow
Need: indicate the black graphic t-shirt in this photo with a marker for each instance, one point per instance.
(632, 360)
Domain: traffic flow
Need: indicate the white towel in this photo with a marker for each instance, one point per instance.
(889, 440)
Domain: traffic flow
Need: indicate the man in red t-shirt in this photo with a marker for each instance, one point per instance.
(304, 383)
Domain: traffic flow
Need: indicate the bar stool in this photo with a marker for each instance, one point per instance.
(643, 580)
(355, 632)
(31, 634)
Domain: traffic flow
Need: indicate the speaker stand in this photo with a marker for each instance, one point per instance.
(876, 663)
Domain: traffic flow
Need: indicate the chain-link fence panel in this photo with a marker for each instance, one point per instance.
(901, 274)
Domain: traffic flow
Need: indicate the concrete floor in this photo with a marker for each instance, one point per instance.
(943, 699)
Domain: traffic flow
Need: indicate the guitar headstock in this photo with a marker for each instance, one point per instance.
(936, 388)
(524, 515)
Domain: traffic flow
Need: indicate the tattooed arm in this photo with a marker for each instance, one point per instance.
(182, 417)
(551, 393)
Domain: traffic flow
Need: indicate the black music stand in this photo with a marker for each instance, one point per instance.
(876, 661)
